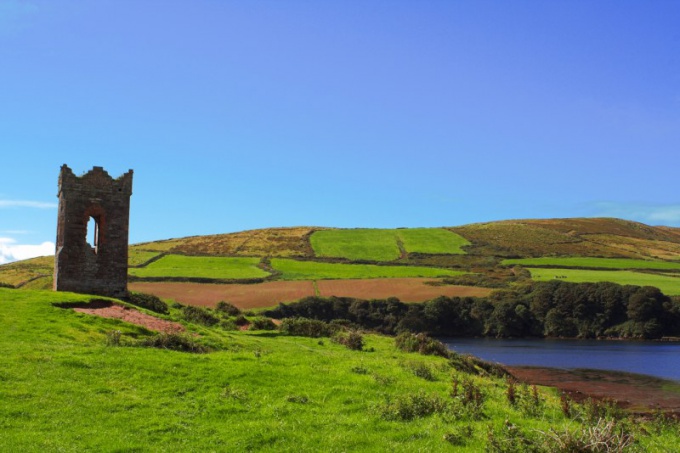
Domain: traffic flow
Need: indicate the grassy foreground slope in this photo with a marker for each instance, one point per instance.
(63, 389)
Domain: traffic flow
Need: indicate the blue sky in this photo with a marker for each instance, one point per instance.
(240, 115)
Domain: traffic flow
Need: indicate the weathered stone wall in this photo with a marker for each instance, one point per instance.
(100, 268)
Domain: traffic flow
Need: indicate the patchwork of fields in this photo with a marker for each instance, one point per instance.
(378, 263)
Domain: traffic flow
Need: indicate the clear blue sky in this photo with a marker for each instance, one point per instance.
(248, 114)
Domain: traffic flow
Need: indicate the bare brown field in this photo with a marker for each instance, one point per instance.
(269, 294)
(405, 289)
(260, 295)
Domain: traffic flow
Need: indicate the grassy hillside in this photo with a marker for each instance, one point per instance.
(606, 238)
(66, 386)
(484, 251)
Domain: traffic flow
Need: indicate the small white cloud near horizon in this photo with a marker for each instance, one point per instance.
(668, 215)
(26, 204)
(10, 251)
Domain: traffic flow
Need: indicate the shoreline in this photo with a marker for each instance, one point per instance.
(634, 393)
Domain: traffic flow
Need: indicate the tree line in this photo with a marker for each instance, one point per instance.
(536, 309)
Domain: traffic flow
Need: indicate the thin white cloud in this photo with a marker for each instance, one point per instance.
(11, 251)
(26, 204)
(646, 213)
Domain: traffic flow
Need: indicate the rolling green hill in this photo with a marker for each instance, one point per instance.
(482, 250)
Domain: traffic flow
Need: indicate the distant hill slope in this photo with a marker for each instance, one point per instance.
(591, 237)
(473, 247)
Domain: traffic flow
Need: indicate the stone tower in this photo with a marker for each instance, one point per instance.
(99, 267)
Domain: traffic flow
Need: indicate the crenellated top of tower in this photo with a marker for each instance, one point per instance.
(97, 180)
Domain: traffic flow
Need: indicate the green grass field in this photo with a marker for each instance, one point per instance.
(668, 285)
(432, 241)
(310, 270)
(382, 245)
(604, 263)
(137, 257)
(201, 267)
(63, 389)
(358, 244)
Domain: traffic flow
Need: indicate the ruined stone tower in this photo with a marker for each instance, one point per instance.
(98, 267)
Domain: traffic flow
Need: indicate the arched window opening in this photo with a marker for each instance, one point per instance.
(92, 236)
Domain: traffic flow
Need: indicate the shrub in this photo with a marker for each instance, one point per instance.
(459, 436)
(199, 315)
(603, 436)
(227, 324)
(227, 308)
(175, 342)
(304, 327)
(411, 406)
(149, 301)
(530, 401)
(352, 340)
(510, 439)
(422, 344)
(262, 323)
(383, 380)
(241, 321)
(469, 395)
(594, 410)
(420, 370)
(359, 370)
(511, 393)
(113, 338)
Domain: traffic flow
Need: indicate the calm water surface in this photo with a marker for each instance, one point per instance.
(651, 358)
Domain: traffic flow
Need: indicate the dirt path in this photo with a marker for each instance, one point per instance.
(110, 310)
(634, 392)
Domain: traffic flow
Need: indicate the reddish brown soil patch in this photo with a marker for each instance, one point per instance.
(109, 310)
(271, 293)
(405, 289)
(634, 392)
(243, 296)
